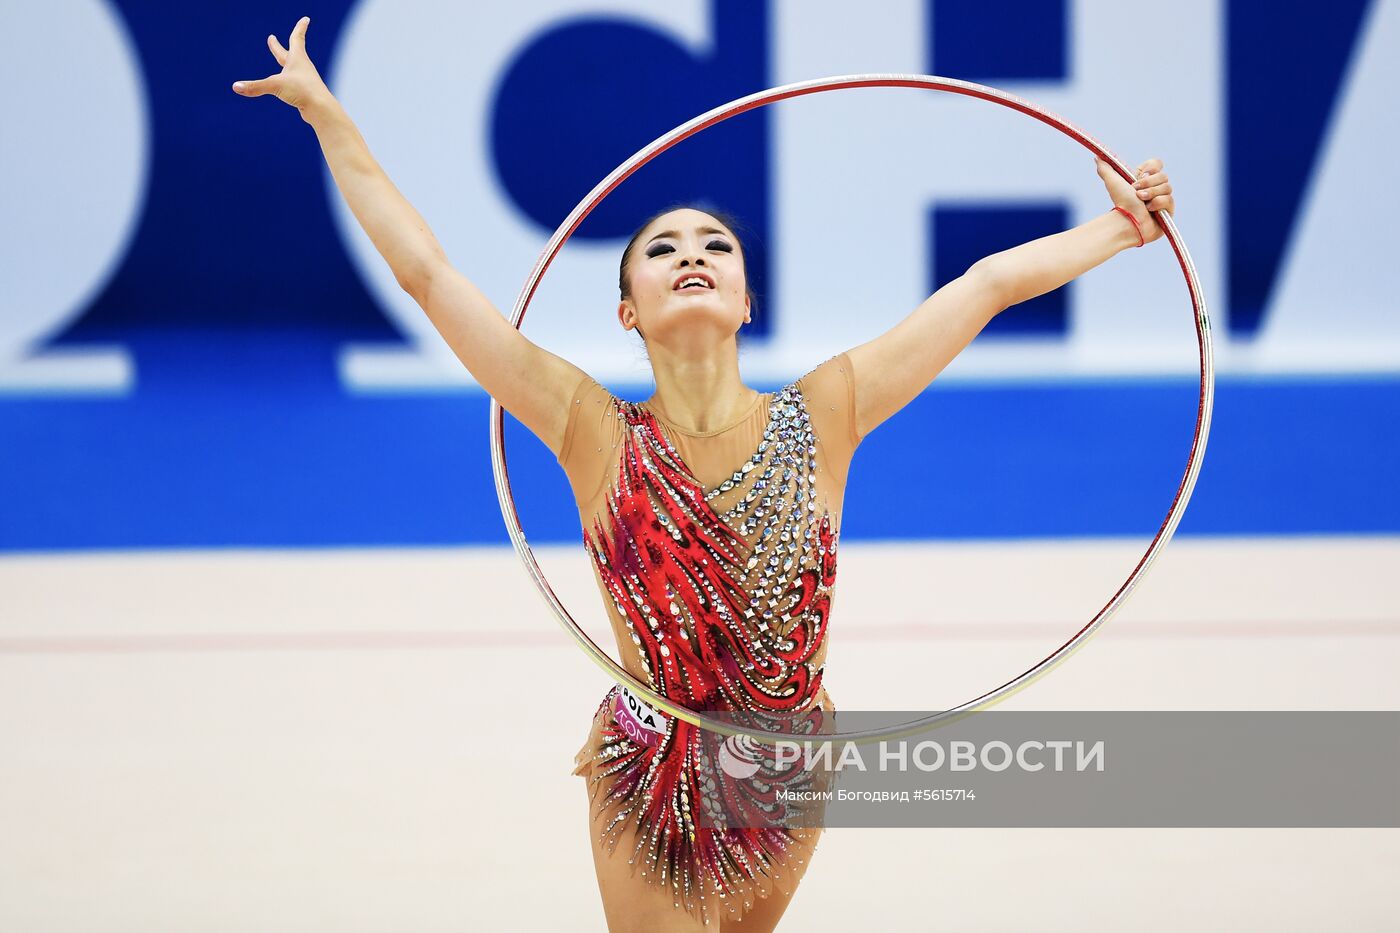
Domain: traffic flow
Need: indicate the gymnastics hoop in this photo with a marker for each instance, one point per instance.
(762, 99)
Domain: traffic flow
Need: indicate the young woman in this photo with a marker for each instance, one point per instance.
(711, 511)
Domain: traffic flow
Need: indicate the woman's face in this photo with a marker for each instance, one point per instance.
(686, 272)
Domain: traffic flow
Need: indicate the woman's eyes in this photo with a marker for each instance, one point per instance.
(661, 248)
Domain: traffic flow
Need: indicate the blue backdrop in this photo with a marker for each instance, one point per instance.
(234, 292)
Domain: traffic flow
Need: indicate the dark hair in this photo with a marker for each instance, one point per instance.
(624, 288)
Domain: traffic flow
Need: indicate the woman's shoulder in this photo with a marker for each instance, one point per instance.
(829, 392)
(595, 425)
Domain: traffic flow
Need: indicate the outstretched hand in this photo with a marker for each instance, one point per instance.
(1151, 192)
(299, 83)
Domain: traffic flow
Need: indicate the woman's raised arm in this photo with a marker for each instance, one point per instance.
(529, 381)
(891, 370)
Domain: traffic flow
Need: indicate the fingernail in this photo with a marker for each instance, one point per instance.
(238, 85)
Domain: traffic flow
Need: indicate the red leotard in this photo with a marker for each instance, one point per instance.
(720, 597)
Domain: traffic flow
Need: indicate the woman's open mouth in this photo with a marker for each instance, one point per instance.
(693, 282)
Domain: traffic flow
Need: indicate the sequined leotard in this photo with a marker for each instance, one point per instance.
(720, 596)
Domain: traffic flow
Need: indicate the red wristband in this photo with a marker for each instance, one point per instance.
(1125, 213)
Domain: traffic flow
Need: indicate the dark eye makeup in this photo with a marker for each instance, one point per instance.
(659, 249)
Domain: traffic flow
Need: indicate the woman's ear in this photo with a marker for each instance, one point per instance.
(627, 317)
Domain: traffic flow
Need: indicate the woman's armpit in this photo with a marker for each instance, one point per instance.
(575, 407)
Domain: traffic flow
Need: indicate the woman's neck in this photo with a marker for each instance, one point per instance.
(699, 394)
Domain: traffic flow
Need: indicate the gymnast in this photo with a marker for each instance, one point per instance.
(710, 512)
